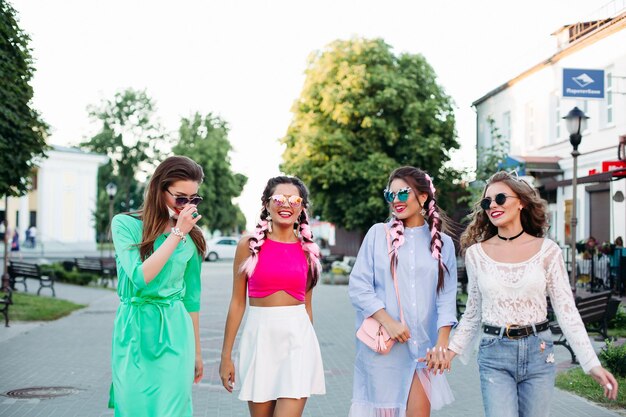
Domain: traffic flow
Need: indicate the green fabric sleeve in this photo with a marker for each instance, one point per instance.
(193, 283)
(125, 239)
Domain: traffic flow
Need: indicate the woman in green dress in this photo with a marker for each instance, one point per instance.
(156, 353)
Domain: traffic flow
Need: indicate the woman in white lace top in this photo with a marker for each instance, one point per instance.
(511, 268)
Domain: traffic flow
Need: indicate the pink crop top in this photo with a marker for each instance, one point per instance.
(281, 267)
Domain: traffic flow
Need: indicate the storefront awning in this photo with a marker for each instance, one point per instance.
(613, 175)
(537, 166)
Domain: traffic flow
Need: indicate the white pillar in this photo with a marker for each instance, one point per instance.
(24, 214)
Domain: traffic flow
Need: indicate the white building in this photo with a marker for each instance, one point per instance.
(528, 111)
(61, 203)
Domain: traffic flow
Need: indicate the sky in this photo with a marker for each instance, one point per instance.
(245, 60)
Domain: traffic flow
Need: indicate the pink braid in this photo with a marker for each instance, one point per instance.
(256, 241)
(434, 222)
(396, 232)
(309, 245)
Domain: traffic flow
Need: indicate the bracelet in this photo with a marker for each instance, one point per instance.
(176, 232)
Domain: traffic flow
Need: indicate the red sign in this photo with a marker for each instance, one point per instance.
(613, 165)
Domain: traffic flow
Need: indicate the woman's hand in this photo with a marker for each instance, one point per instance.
(199, 369)
(438, 359)
(227, 374)
(397, 331)
(606, 380)
(186, 221)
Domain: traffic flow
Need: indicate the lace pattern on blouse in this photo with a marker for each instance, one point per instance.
(515, 293)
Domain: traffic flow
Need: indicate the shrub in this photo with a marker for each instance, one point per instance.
(70, 277)
(614, 358)
(619, 321)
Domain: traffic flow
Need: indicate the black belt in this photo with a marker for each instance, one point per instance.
(516, 332)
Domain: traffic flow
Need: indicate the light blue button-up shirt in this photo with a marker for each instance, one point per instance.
(383, 381)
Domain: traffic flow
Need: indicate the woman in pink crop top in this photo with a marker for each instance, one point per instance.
(280, 364)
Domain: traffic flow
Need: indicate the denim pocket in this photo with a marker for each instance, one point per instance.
(546, 337)
(487, 341)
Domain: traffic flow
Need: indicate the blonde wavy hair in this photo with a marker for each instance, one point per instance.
(534, 214)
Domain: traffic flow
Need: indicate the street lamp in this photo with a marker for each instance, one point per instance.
(111, 190)
(576, 121)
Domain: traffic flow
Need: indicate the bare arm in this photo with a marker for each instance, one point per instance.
(307, 304)
(235, 314)
(199, 371)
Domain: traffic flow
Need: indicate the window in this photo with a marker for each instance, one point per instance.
(557, 118)
(609, 98)
(530, 125)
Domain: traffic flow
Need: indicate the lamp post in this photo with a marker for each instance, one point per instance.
(111, 191)
(576, 121)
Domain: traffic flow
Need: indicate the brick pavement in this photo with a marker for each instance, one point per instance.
(75, 352)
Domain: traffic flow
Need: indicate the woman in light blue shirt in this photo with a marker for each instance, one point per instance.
(397, 382)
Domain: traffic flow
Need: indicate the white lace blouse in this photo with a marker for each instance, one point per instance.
(515, 293)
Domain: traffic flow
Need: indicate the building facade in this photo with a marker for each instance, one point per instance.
(61, 203)
(528, 109)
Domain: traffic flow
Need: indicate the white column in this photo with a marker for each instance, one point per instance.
(24, 216)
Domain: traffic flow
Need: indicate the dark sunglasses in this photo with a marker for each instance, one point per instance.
(403, 195)
(181, 201)
(500, 199)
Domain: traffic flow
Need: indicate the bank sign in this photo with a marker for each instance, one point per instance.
(583, 83)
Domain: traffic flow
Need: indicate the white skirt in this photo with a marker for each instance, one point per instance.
(279, 355)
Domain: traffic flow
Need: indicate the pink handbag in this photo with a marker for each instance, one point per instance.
(371, 332)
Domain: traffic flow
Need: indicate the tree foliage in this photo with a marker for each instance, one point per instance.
(22, 131)
(131, 137)
(205, 140)
(489, 160)
(363, 112)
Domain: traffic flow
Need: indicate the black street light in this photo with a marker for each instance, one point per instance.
(576, 121)
(111, 190)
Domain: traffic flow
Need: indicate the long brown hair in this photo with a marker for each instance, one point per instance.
(154, 213)
(534, 214)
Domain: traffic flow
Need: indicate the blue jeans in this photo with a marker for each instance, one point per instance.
(517, 375)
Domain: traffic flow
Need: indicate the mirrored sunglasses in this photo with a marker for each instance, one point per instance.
(500, 199)
(281, 200)
(403, 195)
(182, 200)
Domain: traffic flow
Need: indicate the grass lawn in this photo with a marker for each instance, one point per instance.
(576, 381)
(27, 307)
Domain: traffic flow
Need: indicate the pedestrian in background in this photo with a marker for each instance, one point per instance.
(414, 247)
(15, 244)
(156, 355)
(32, 233)
(280, 363)
(511, 267)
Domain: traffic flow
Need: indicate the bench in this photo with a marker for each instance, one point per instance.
(595, 314)
(104, 267)
(20, 271)
(5, 302)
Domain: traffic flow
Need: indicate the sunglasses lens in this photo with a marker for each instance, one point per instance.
(389, 196)
(196, 200)
(295, 201)
(181, 201)
(485, 203)
(500, 199)
(279, 200)
(403, 195)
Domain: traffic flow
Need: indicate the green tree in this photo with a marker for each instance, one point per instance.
(364, 111)
(22, 131)
(490, 159)
(205, 140)
(131, 136)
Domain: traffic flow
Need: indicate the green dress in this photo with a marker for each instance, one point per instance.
(153, 355)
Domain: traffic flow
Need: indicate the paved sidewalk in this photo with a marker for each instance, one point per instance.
(75, 352)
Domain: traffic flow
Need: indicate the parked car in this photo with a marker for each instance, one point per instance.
(222, 247)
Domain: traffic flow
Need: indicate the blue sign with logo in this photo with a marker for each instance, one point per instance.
(583, 83)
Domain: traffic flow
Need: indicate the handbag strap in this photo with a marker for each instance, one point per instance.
(393, 274)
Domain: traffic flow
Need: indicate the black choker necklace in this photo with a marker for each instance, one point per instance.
(511, 238)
